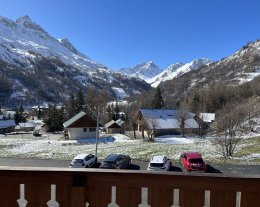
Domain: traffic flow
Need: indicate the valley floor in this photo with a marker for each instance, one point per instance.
(53, 146)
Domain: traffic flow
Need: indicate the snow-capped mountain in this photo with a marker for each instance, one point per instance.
(178, 69)
(21, 39)
(37, 66)
(144, 71)
(240, 71)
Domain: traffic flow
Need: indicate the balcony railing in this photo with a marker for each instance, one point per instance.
(65, 187)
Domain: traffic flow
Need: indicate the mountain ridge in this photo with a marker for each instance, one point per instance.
(38, 67)
(178, 69)
(144, 71)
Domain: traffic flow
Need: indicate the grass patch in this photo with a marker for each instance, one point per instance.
(252, 145)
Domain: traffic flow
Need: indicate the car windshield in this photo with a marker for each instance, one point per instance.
(77, 161)
(111, 158)
(196, 160)
(156, 164)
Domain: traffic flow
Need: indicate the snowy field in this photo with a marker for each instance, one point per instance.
(53, 146)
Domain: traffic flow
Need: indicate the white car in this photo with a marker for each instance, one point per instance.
(83, 161)
(159, 163)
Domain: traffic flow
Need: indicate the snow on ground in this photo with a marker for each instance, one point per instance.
(251, 157)
(53, 146)
(249, 76)
(120, 103)
(170, 139)
(120, 93)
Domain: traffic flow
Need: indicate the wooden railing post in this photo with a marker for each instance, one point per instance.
(63, 187)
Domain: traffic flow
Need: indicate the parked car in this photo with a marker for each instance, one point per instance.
(114, 161)
(192, 161)
(159, 163)
(83, 160)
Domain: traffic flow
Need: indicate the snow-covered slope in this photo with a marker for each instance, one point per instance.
(238, 68)
(144, 71)
(36, 66)
(176, 70)
(21, 39)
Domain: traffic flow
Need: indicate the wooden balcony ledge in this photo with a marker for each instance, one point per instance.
(67, 187)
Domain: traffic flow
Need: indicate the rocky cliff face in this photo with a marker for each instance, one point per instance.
(39, 67)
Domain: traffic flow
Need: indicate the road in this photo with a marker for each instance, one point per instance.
(225, 169)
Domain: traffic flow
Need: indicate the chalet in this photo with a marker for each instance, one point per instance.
(40, 110)
(113, 127)
(9, 114)
(165, 121)
(80, 126)
(25, 126)
(206, 121)
(7, 126)
(207, 117)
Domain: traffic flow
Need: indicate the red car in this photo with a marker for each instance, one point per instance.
(192, 161)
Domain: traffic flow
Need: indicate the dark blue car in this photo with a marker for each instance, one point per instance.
(116, 161)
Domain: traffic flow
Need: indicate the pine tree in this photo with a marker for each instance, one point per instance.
(157, 102)
(39, 112)
(19, 115)
(80, 101)
(109, 113)
(116, 112)
(54, 119)
(71, 107)
(195, 103)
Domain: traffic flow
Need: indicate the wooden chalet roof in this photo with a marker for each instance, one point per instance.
(80, 120)
(115, 124)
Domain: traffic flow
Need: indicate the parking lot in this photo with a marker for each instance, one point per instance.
(225, 169)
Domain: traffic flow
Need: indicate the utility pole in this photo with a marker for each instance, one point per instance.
(97, 131)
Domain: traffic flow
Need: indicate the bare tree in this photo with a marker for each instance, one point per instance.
(228, 127)
(150, 125)
(181, 118)
(252, 111)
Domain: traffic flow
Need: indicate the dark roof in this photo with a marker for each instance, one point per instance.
(80, 120)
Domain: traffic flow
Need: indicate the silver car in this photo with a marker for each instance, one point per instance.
(159, 163)
(83, 161)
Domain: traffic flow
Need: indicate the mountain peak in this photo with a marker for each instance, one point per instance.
(26, 22)
(202, 60)
(143, 71)
(178, 69)
(25, 18)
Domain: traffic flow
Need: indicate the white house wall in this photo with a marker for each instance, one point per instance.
(78, 133)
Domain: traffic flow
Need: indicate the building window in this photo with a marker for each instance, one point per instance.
(85, 129)
(92, 129)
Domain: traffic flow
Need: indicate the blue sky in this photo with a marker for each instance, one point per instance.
(123, 33)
